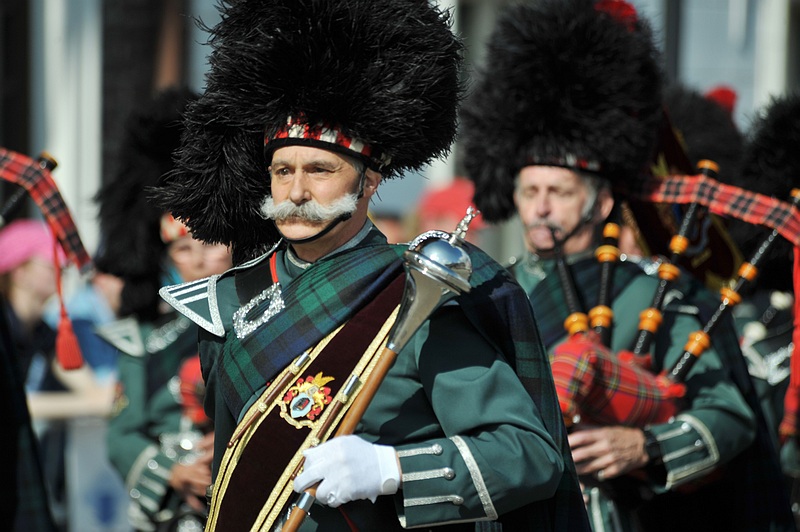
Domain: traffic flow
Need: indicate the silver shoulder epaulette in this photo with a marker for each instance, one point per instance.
(197, 300)
(123, 334)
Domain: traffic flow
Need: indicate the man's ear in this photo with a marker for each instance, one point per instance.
(371, 181)
(605, 202)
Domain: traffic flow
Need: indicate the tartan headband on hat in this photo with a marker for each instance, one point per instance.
(567, 160)
(298, 132)
(376, 79)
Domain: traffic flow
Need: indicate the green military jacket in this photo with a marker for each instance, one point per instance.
(716, 438)
(472, 445)
(147, 433)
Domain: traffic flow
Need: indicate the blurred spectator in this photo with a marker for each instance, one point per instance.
(392, 224)
(443, 208)
(27, 282)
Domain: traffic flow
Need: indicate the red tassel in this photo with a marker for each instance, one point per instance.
(68, 350)
(791, 402)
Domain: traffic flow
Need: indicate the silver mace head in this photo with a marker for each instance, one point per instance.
(437, 270)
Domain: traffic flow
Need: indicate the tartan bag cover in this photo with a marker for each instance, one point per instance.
(600, 388)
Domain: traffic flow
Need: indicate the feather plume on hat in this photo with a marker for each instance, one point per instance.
(771, 166)
(384, 73)
(565, 83)
(706, 129)
(130, 221)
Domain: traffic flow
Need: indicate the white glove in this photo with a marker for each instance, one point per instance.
(349, 469)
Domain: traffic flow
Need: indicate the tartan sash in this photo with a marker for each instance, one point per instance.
(350, 349)
(316, 303)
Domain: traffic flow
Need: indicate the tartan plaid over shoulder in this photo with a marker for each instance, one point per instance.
(326, 295)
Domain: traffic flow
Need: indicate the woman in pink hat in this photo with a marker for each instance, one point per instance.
(27, 282)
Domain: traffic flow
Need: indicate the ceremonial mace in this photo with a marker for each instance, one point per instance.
(437, 270)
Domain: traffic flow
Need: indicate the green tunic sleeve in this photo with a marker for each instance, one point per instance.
(132, 436)
(715, 423)
(471, 443)
(214, 405)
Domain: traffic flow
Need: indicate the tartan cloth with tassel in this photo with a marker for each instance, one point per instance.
(35, 178)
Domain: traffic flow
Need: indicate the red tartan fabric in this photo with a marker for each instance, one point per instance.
(27, 173)
(593, 384)
(791, 401)
(193, 390)
(722, 199)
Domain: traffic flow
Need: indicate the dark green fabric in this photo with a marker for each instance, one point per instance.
(23, 498)
(316, 303)
(496, 307)
(148, 412)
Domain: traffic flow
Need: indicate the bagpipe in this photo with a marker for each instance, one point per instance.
(33, 177)
(595, 385)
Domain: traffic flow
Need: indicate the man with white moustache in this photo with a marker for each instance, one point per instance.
(309, 106)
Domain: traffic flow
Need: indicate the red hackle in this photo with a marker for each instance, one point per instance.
(619, 10)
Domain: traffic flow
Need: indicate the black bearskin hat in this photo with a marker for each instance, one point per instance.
(131, 246)
(565, 83)
(706, 129)
(771, 166)
(382, 72)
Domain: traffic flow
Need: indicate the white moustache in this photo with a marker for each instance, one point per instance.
(310, 211)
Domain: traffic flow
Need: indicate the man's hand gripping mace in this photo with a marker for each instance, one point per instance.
(437, 270)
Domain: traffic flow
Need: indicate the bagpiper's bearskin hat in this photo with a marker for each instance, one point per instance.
(565, 83)
(707, 130)
(771, 166)
(375, 79)
(130, 222)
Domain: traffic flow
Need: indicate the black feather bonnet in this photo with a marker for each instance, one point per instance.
(130, 222)
(565, 83)
(707, 130)
(771, 166)
(381, 73)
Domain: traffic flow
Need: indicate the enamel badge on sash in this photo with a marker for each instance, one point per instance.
(305, 401)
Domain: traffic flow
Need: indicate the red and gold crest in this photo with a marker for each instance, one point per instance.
(308, 397)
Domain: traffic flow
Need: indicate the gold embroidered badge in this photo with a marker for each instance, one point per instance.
(307, 398)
